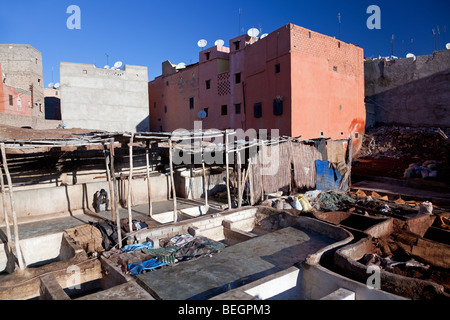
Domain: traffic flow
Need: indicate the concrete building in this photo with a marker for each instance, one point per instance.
(295, 80)
(409, 91)
(22, 67)
(104, 99)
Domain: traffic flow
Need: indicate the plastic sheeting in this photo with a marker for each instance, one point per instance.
(137, 267)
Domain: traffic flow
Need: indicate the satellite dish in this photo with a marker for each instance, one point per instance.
(113, 68)
(57, 85)
(253, 32)
(202, 43)
(202, 114)
(50, 85)
(181, 65)
(447, 46)
(411, 55)
(106, 67)
(118, 64)
(219, 42)
(264, 35)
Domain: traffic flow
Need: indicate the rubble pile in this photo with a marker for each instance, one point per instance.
(406, 142)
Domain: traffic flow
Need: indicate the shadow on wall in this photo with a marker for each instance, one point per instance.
(422, 102)
(52, 108)
(144, 125)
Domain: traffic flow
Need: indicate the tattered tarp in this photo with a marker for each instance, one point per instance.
(137, 246)
(328, 177)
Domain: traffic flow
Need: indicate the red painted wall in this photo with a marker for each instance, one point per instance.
(21, 100)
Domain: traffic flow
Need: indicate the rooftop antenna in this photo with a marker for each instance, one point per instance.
(411, 46)
(392, 45)
(339, 19)
(434, 39)
(107, 59)
(202, 43)
(438, 39)
(239, 21)
(445, 30)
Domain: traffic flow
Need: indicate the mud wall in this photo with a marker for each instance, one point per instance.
(407, 91)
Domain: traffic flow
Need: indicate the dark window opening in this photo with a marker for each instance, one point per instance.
(257, 110)
(237, 108)
(167, 83)
(207, 55)
(277, 68)
(237, 77)
(206, 110)
(356, 135)
(310, 34)
(191, 103)
(322, 133)
(165, 109)
(236, 45)
(208, 84)
(339, 44)
(11, 102)
(335, 68)
(224, 110)
(277, 107)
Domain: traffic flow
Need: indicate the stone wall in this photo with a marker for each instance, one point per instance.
(409, 92)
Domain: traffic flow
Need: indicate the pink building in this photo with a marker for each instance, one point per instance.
(14, 100)
(295, 80)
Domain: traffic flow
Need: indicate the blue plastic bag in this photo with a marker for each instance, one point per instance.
(137, 246)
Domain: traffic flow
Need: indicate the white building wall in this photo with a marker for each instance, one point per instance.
(103, 99)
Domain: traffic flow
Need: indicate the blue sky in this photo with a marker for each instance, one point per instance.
(148, 32)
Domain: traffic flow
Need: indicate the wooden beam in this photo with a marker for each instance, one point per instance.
(239, 179)
(130, 178)
(116, 193)
(111, 189)
(9, 254)
(172, 182)
(13, 210)
(149, 187)
(227, 173)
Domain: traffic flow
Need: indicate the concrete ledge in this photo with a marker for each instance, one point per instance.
(50, 289)
(340, 294)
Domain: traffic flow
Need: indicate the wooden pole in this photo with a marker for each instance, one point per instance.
(172, 182)
(149, 187)
(116, 195)
(239, 182)
(130, 178)
(11, 196)
(227, 173)
(205, 182)
(8, 228)
(111, 189)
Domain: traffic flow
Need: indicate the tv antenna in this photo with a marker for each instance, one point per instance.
(253, 32)
(202, 43)
(107, 58)
(339, 19)
(219, 42)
